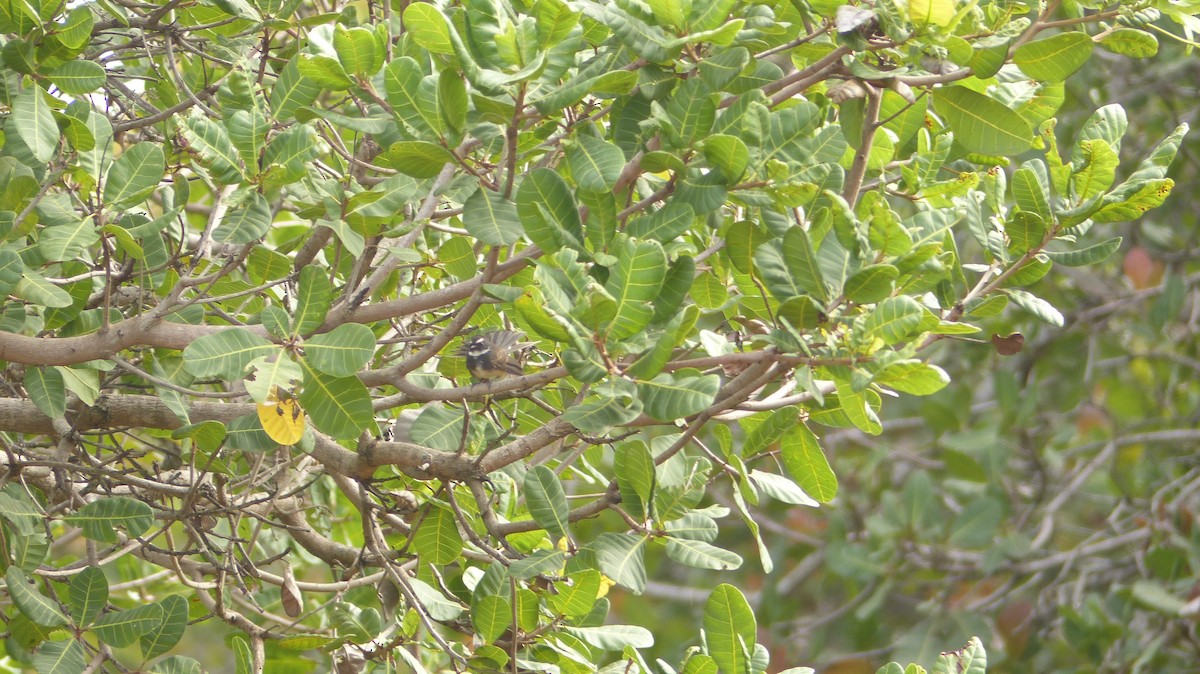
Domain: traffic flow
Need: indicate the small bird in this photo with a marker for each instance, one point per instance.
(491, 355)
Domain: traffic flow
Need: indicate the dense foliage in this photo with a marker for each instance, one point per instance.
(243, 241)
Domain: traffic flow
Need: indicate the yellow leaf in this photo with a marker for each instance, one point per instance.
(282, 418)
(605, 584)
(931, 12)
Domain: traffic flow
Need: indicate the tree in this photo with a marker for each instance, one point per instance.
(244, 242)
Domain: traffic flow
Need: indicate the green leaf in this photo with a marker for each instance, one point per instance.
(437, 539)
(12, 270)
(419, 158)
(595, 163)
(428, 28)
(248, 133)
(701, 555)
(601, 223)
(547, 502)
(438, 606)
(612, 83)
(20, 513)
(594, 416)
(87, 595)
(857, 408)
(576, 597)
(245, 224)
(741, 241)
(458, 257)
(668, 397)
(913, 377)
(440, 428)
(871, 283)
(357, 50)
(1109, 124)
(176, 664)
(669, 309)
(1086, 257)
(649, 42)
(669, 12)
(692, 109)
(613, 637)
(694, 527)
(727, 153)
(292, 91)
(982, 124)
(341, 352)
(312, 301)
(1054, 58)
(491, 218)
(34, 123)
(806, 463)
(324, 71)
(548, 210)
(635, 473)
(765, 429)
(338, 406)
(125, 241)
(621, 558)
(541, 562)
(1025, 231)
(45, 388)
(225, 354)
(100, 518)
(78, 77)
(730, 629)
(208, 435)
(802, 263)
(77, 28)
(788, 129)
(634, 283)
(721, 68)
(1036, 306)
(1031, 190)
(33, 604)
(211, 141)
(293, 147)
(123, 628)
(1130, 42)
(1130, 203)
(413, 96)
(452, 100)
(242, 657)
(265, 265)
(708, 291)
(894, 319)
(970, 659)
(83, 382)
(781, 489)
(699, 663)
(61, 657)
(1098, 170)
(664, 224)
(134, 175)
(491, 617)
(66, 242)
(29, 551)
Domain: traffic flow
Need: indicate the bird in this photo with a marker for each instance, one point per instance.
(491, 355)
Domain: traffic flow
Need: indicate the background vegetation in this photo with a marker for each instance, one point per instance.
(241, 241)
